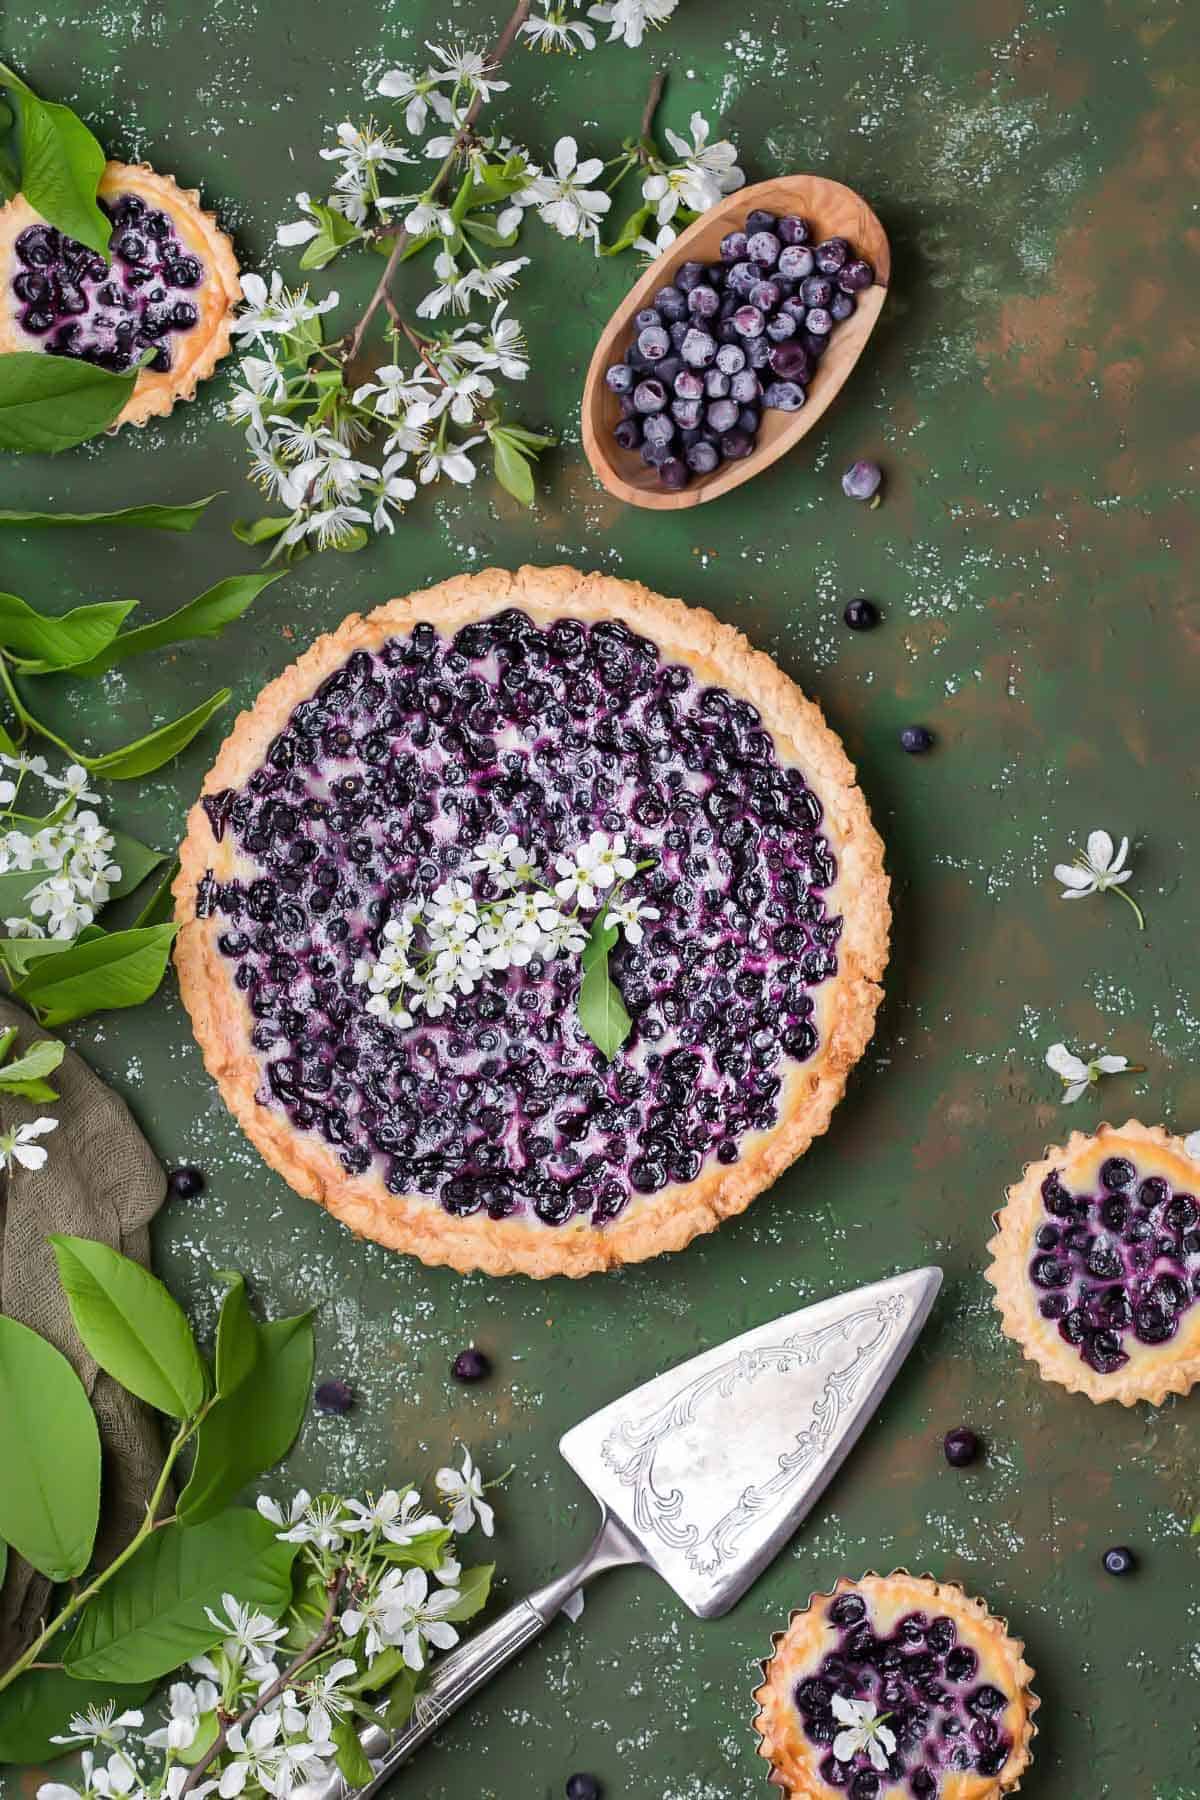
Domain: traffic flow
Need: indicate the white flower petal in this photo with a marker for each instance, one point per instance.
(1099, 849)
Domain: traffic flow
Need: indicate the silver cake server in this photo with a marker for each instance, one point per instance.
(703, 1473)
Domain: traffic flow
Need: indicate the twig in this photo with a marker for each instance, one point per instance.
(657, 83)
(500, 50)
(311, 1651)
(419, 344)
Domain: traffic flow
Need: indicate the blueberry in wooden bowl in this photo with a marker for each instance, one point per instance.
(734, 342)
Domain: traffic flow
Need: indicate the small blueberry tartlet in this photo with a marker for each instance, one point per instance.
(896, 1687)
(1097, 1265)
(482, 1126)
(168, 290)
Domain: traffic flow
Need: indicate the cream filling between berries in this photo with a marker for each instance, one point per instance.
(383, 783)
(1116, 1264)
(926, 1711)
(73, 303)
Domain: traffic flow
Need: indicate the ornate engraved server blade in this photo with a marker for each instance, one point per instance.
(710, 1468)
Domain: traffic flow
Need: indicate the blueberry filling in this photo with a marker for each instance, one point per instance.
(723, 340)
(380, 784)
(110, 315)
(922, 1684)
(1117, 1265)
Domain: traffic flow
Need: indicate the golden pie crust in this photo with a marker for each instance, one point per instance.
(809, 1638)
(196, 352)
(1153, 1370)
(846, 1004)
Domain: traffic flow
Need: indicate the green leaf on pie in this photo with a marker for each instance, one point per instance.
(205, 616)
(61, 165)
(102, 971)
(50, 1469)
(600, 1008)
(255, 1425)
(151, 1616)
(132, 1326)
(158, 747)
(40, 642)
(49, 403)
(151, 517)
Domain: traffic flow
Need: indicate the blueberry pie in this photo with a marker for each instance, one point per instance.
(169, 290)
(1097, 1265)
(896, 1687)
(384, 956)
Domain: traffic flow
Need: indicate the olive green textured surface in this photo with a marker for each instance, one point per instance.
(1031, 391)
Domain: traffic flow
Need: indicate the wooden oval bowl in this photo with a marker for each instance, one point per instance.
(833, 211)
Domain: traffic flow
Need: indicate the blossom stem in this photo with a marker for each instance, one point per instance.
(29, 1659)
(26, 720)
(312, 1650)
(438, 185)
(1130, 901)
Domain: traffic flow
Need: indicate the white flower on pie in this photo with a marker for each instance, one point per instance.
(19, 1146)
(564, 200)
(464, 1488)
(629, 915)
(864, 1730)
(1097, 870)
(610, 859)
(1078, 1075)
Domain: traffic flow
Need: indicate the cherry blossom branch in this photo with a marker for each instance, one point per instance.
(311, 1651)
(658, 82)
(379, 297)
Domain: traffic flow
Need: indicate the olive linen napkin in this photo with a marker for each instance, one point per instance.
(100, 1180)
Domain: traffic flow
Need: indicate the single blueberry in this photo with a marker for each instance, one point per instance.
(784, 396)
(832, 255)
(733, 247)
(470, 1365)
(703, 302)
(627, 433)
(1120, 1560)
(795, 262)
(855, 276)
(794, 230)
(736, 444)
(649, 396)
(619, 377)
(583, 1787)
(841, 307)
(916, 739)
(748, 322)
(673, 474)
(334, 1397)
(847, 1609)
(185, 1182)
(702, 458)
(699, 348)
(1117, 1172)
(961, 1447)
(819, 320)
(862, 481)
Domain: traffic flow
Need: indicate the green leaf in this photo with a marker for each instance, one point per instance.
(135, 860)
(335, 233)
(158, 747)
(19, 954)
(50, 1466)
(630, 231)
(512, 468)
(255, 1426)
(487, 234)
(159, 908)
(601, 1010)
(26, 1076)
(7, 1040)
(425, 1552)
(237, 1337)
(151, 517)
(401, 1698)
(61, 166)
(351, 1757)
(259, 531)
(205, 616)
(52, 402)
(43, 642)
(474, 1586)
(39, 1704)
(151, 1616)
(131, 1326)
(101, 971)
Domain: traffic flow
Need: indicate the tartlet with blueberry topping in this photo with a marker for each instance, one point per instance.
(169, 290)
(1097, 1264)
(537, 707)
(896, 1687)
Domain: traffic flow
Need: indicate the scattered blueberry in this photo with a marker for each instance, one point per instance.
(916, 739)
(471, 1365)
(862, 481)
(185, 1182)
(1120, 1560)
(583, 1787)
(961, 1447)
(771, 292)
(861, 614)
(334, 1397)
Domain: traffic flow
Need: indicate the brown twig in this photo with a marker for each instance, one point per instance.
(500, 50)
(657, 83)
(312, 1650)
(419, 344)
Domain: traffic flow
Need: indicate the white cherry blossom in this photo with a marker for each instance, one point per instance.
(98, 1725)
(864, 1730)
(1078, 1076)
(628, 19)
(463, 1488)
(564, 199)
(1097, 870)
(555, 29)
(19, 1147)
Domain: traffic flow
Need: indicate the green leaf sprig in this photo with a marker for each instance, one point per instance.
(602, 1012)
(59, 164)
(25, 1075)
